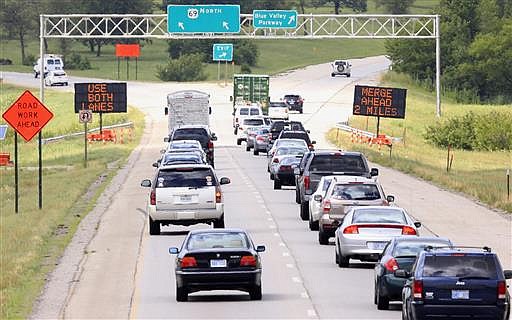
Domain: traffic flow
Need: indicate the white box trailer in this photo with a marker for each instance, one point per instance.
(187, 107)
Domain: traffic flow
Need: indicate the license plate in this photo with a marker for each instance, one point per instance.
(186, 198)
(376, 245)
(218, 263)
(460, 294)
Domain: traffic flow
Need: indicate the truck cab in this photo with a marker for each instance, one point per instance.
(52, 62)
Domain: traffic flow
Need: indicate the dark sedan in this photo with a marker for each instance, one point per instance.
(284, 175)
(218, 259)
(399, 253)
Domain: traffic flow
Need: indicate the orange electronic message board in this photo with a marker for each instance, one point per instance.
(100, 97)
(379, 102)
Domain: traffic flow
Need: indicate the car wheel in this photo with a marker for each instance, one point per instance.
(36, 75)
(277, 184)
(304, 210)
(236, 130)
(154, 227)
(300, 111)
(218, 224)
(348, 75)
(382, 302)
(247, 148)
(256, 152)
(255, 292)
(375, 293)
(238, 142)
(323, 238)
(297, 196)
(313, 225)
(271, 176)
(343, 262)
(332, 74)
(336, 256)
(181, 294)
(404, 312)
(65, 83)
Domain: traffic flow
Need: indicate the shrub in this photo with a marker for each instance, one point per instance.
(30, 60)
(245, 68)
(4, 61)
(76, 61)
(188, 67)
(491, 131)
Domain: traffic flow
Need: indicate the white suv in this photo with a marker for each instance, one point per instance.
(244, 111)
(246, 123)
(185, 194)
(341, 67)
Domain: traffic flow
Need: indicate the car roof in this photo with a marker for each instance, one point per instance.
(289, 139)
(234, 230)
(455, 249)
(190, 126)
(420, 239)
(323, 152)
(382, 208)
(191, 165)
(342, 179)
(184, 141)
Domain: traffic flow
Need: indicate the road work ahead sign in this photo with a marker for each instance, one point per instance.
(379, 102)
(100, 97)
(27, 115)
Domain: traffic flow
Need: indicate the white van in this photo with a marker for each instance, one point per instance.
(244, 111)
(52, 62)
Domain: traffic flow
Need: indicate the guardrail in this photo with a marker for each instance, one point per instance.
(54, 139)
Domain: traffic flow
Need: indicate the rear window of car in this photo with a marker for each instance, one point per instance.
(255, 112)
(244, 111)
(356, 192)
(412, 248)
(291, 97)
(289, 161)
(191, 131)
(280, 125)
(378, 216)
(181, 159)
(185, 177)
(217, 240)
(460, 265)
(59, 74)
(281, 143)
(290, 150)
(253, 122)
(338, 163)
(177, 145)
(278, 105)
(295, 135)
(263, 131)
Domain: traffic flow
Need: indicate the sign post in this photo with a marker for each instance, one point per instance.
(203, 18)
(27, 116)
(222, 52)
(85, 116)
(127, 51)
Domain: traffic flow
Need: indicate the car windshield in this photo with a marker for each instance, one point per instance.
(185, 177)
(253, 122)
(412, 248)
(378, 216)
(218, 240)
(356, 192)
(59, 74)
(460, 265)
(290, 150)
(244, 111)
(338, 162)
(255, 112)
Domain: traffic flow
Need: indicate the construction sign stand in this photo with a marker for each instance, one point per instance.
(126, 51)
(27, 116)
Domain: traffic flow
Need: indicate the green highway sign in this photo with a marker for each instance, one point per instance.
(203, 18)
(222, 52)
(276, 19)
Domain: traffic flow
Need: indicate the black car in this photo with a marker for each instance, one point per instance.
(294, 102)
(399, 253)
(279, 125)
(284, 175)
(456, 282)
(196, 132)
(316, 164)
(218, 259)
(297, 134)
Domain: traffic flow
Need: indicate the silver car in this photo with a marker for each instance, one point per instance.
(365, 232)
(282, 152)
(257, 139)
(316, 206)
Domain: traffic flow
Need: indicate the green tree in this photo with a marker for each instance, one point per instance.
(355, 5)
(395, 6)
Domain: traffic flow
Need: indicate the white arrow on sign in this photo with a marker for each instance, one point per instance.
(222, 55)
(292, 18)
(225, 25)
(181, 26)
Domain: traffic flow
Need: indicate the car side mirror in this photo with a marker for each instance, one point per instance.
(296, 171)
(417, 224)
(166, 110)
(400, 273)
(174, 250)
(225, 180)
(308, 131)
(155, 164)
(390, 198)
(162, 151)
(233, 113)
(507, 274)
(231, 98)
(260, 248)
(374, 172)
(317, 197)
(313, 142)
(214, 137)
(145, 183)
(166, 139)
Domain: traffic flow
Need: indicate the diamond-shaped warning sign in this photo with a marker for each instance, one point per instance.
(27, 115)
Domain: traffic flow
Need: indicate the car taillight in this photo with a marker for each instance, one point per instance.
(406, 230)
(210, 145)
(351, 230)
(188, 262)
(306, 182)
(276, 160)
(260, 138)
(326, 206)
(502, 290)
(248, 261)
(218, 195)
(152, 197)
(240, 128)
(391, 265)
(417, 289)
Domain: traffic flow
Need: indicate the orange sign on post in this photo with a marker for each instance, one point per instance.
(127, 50)
(27, 115)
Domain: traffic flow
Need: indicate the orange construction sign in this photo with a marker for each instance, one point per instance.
(27, 115)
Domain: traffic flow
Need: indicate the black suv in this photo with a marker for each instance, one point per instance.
(200, 133)
(296, 134)
(316, 164)
(294, 102)
(456, 282)
(279, 125)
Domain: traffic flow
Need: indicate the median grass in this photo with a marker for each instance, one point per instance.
(478, 174)
(33, 239)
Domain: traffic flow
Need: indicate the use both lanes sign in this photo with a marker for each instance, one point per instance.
(27, 115)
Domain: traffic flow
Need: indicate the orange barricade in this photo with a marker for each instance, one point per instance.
(106, 135)
(5, 159)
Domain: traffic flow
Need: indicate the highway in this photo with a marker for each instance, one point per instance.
(300, 278)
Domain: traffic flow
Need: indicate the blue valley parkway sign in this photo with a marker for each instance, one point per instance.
(203, 18)
(277, 19)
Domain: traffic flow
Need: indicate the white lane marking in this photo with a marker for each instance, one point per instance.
(263, 206)
(286, 254)
(268, 212)
(272, 226)
(276, 234)
(289, 265)
(256, 193)
(296, 279)
(282, 244)
(270, 219)
(311, 313)
(304, 295)
(260, 201)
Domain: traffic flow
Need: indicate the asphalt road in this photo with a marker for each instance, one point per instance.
(127, 273)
